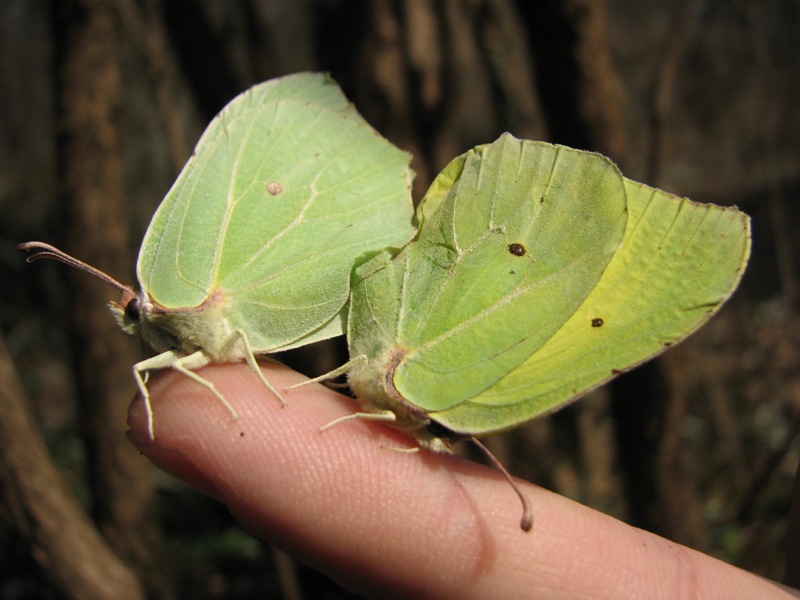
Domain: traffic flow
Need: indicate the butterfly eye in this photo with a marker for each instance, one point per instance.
(133, 309)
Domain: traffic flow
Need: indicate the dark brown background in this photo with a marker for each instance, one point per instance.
(103, 101)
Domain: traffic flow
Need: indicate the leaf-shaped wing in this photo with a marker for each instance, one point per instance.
(287, 190)
(517, 234)
(679, 262)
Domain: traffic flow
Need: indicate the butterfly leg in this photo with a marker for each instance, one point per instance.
(186, 366)
(386, 416)
(141, 372)
(411, 450)
(345, 368)
(240, 336)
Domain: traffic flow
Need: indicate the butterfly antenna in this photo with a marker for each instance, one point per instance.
(526, 522)
(51, 252)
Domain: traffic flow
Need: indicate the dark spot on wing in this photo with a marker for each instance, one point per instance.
(597, 322)
(517, 249)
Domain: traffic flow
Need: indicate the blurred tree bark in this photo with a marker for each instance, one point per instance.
(98, 227)
(579, 87)
(36, 499)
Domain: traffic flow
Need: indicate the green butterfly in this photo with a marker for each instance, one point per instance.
(538, 273)
(252, 249)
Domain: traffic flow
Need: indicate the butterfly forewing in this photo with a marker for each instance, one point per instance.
(287, 190)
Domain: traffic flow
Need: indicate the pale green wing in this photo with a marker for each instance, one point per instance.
(678, 264)
(502, 260)
(287, 190)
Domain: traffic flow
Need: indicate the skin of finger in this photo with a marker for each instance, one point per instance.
(393, 524)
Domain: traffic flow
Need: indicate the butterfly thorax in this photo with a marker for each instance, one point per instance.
(204, 327)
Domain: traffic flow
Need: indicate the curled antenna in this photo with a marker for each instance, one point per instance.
(51, 252)
(526, 522)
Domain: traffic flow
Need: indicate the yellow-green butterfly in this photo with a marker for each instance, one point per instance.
(252, 249)
(538, 273)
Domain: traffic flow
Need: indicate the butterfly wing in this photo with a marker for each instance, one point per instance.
(287, 189)
(679, 262)
(515, 237)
